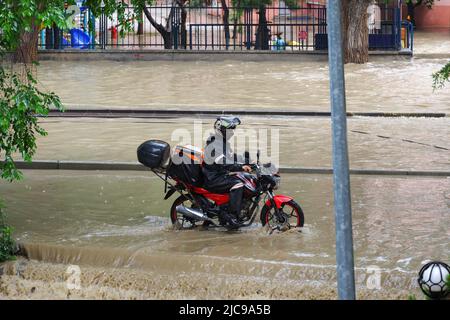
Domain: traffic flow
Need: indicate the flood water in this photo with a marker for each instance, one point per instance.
(386, 143)
(109, 219)
(394, 86)
(431, 42)
(115, 225)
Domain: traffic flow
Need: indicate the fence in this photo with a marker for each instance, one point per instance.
(217, 28)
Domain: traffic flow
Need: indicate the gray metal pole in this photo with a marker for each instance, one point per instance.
(342, 200)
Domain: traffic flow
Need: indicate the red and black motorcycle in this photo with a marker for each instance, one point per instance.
(197, 206)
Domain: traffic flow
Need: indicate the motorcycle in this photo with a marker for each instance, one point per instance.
(196, 206)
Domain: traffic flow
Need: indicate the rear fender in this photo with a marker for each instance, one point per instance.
(279, 200)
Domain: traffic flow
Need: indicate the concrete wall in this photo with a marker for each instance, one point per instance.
(180, 55)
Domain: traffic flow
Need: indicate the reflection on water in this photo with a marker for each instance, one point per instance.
(91, 213)
(396, 86)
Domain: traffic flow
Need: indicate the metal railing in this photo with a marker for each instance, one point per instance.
(208, 28)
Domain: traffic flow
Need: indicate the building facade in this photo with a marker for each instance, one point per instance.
(436, 17)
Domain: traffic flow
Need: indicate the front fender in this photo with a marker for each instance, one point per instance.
(279, 200)
(169, 193)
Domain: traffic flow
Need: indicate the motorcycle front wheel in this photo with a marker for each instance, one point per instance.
(179, 221)
(291, 210)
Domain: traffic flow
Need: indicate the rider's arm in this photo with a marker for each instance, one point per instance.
(233, 167)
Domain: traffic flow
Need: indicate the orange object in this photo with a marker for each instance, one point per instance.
(403, 37)
(193, 153)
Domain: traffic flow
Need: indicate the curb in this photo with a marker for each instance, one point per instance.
(432, 56)
(152, 113)
(135, 166)
(201, 55)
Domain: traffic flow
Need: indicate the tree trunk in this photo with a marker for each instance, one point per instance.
(262, 33)
(226, 28)
(140, 29)
(236, 18)
(165, 31)
(411, 6)
(355, 30)
(26, 52)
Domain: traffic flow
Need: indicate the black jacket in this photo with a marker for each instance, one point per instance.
(219, 161)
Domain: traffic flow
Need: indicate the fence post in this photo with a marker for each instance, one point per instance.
(175, 25)
(190, 36)
(341, 177)
(398, 28)
(248, 27)
(92, 29)
(103, 27)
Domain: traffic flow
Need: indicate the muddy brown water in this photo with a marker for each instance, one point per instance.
(115, 227)
(432, 41)
(374, 143)
(106, 220)
(394, 86)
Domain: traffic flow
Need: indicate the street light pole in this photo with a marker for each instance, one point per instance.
(341, 177)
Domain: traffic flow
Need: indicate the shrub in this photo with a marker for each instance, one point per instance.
(7, 244)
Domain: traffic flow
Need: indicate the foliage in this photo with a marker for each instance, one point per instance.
(17, 17)
(441, 77)
(125, 17)
(416, 3)
(7, 244)
(259, 3)
(197, 3)
(20, 98)
(19, 102)
(239, 6)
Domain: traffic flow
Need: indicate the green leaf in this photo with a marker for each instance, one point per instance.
(441, 77)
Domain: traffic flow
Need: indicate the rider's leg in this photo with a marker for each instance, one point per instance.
(234, 206)
(236, 195)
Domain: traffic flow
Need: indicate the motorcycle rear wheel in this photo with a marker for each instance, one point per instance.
(179, 221)
(292, 209)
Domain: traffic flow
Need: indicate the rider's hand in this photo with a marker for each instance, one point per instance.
(247, 168)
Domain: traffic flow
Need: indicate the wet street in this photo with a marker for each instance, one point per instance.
(122, 221)
(101, 219)
(115, 225)
(383, 143)
(389, 86)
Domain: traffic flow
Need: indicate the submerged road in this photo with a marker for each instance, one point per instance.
(135, 166)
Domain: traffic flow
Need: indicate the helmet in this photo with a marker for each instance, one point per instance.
(225, 125)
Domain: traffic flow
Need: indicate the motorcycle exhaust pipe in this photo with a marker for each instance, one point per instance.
(195, 214)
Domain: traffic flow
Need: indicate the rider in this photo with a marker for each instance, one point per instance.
(219, 165)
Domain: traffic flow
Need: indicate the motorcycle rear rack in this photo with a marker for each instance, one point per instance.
(165, 179)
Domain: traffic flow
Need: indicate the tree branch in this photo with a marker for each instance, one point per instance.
(155, 24)
(418, 3)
